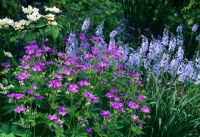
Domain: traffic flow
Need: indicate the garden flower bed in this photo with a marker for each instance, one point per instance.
(76, 83)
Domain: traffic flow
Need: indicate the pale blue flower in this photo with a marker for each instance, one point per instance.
(179, 29)
(172, 44)
(165, 38)
(86, 24)
(99, 29)
(195, 27)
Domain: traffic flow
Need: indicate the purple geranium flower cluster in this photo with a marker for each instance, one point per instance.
(91, 97)
(20, 109)
(6, 64)
(73, 88)
(22, 77)
(55, 84)
(38, 66)
(117, 105)
(16, 96)
(91, 69)
(61, 110)
(105, 114)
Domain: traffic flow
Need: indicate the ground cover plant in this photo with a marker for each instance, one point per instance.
(74, 95)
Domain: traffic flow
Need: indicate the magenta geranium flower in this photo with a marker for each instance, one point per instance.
(73, 88)
(22, 77)
(89, 130)
(103, 64)
(105, 114)
(135, 74)
(39, 66)
(61, 110)
(117, 105)
(132, 105)
(54, 118)
(145, 109)
(16, 96)
(91, 97)
(134, 117)
(20, 109)
(109, 95)
(6, 64)
(83, 83)
(25, 66)
(38, 97)
(55, 84)
(31, 48)
(140, 98)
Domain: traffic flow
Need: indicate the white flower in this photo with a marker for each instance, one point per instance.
(6, 22)
(8, 54)
(50, 17)
(30, 10)
(34, 16)
(53, 9)
(20, 24)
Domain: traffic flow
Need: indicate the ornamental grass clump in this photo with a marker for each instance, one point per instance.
(76, 93)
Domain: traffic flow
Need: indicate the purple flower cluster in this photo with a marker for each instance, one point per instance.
(38, 66)
(84, 67)
(105, 114)
(38, 97)
(55, 84)
(30, 91)
(83, 83)
(117, 105)
(132, 105)
(145, 109)
(112, 94)
(16, 96)
(31, 48)
(91, 97)
(20, 109)
(73, 88)
(61, 110)
(22, 77)
(6, 64)
(54, 118)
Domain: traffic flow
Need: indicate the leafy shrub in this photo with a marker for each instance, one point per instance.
(102, 10)
(10, 8)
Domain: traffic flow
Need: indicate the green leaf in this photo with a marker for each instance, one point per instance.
(31, 35)
(41, 23)
(54, 32)
(4, 127)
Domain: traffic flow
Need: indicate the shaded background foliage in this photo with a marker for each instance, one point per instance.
(151, 16)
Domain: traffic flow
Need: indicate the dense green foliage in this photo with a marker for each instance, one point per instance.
(175, 110)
